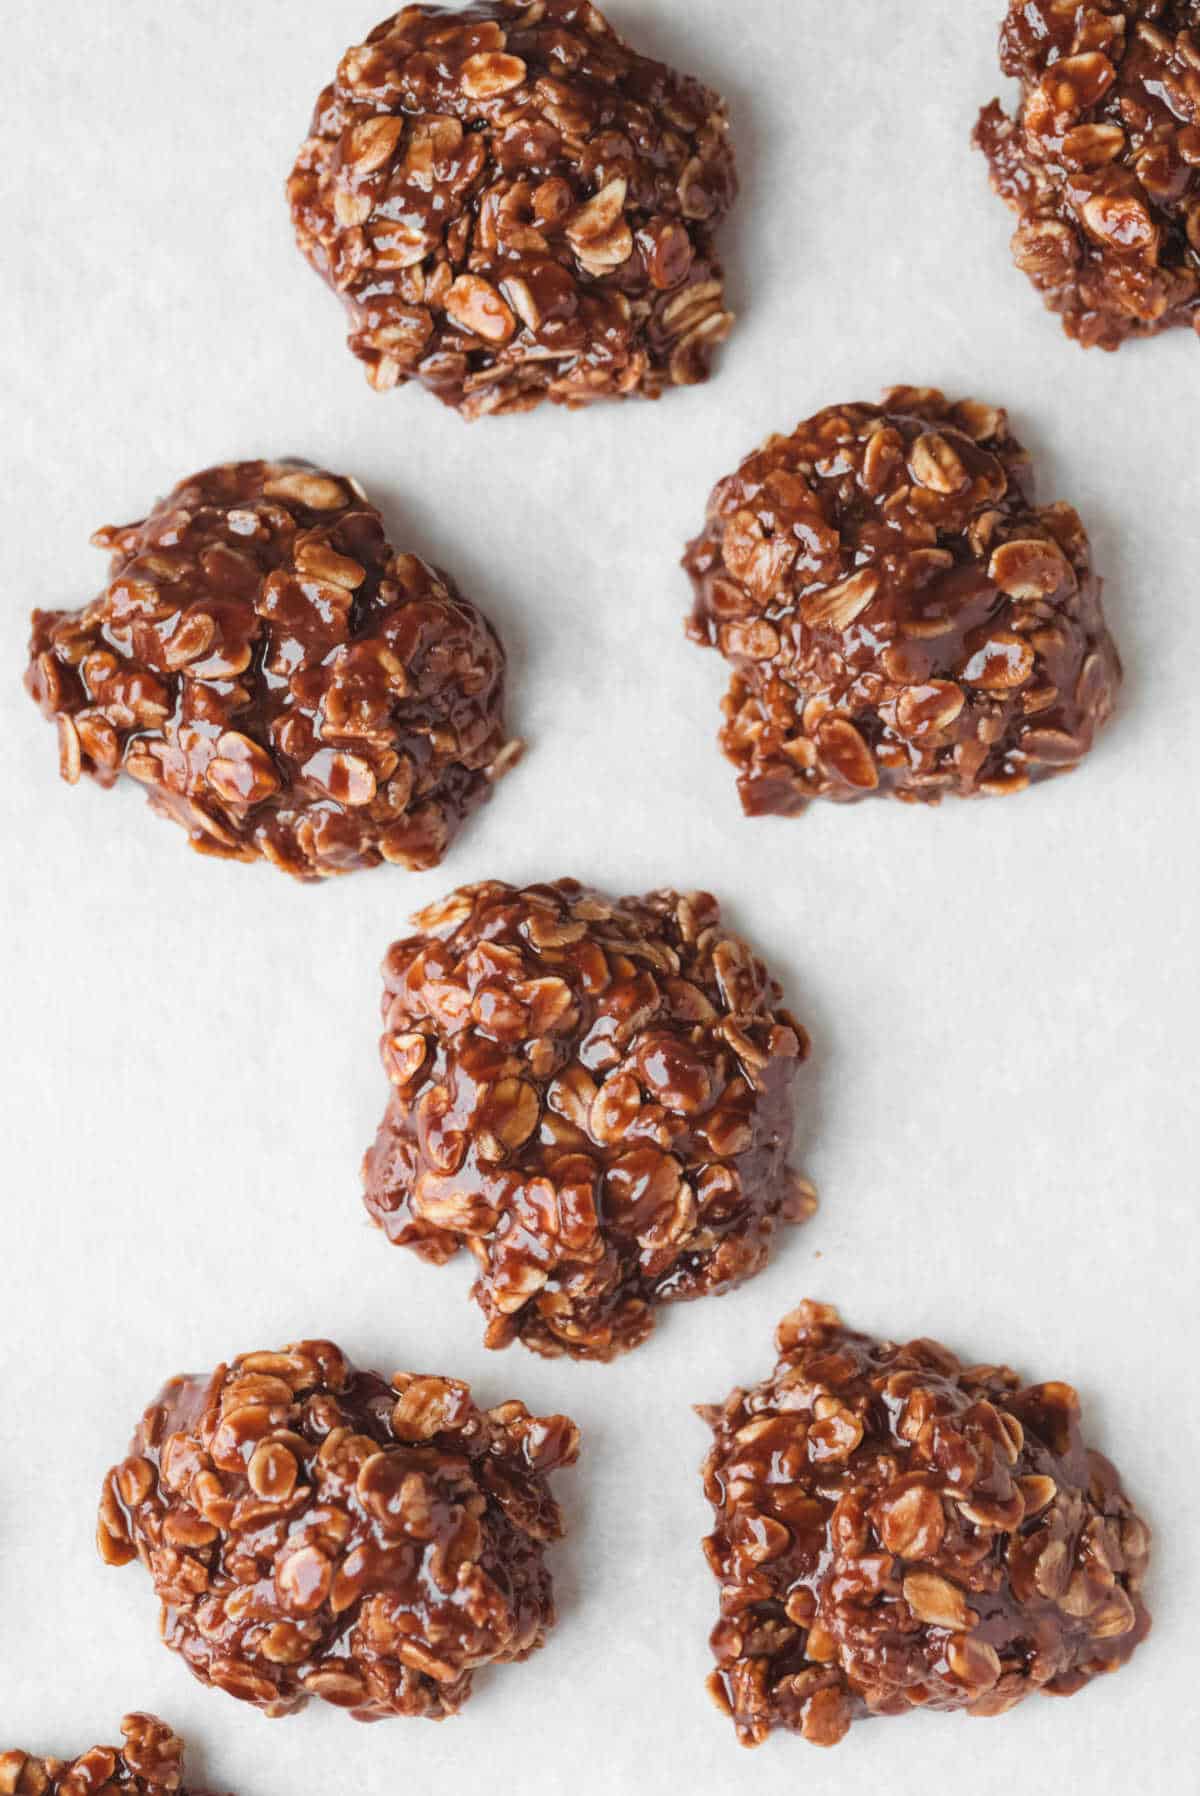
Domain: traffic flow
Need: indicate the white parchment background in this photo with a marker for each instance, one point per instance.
(1001, 1112)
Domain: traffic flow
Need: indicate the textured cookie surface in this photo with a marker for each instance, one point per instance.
(149, 1762)
(313, 1530)
(1101, 163)
(901, 617)
(283, 683)
(594, 1097)
(513, 206)
(897, 1530)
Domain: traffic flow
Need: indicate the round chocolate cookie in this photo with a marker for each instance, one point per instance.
(895, 1530)
(515, 206)
(1102, 162)
(148, 1763)
(313, 1530)
(594, 1097)
(282, 682)
(901, 618)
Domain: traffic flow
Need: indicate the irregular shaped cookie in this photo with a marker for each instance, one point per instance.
(896, 1530)
(314, 1530)
(513, 206)
(595, 1097)
(282, 682)
(149, 1763)
(1102, 162)
(902, 619)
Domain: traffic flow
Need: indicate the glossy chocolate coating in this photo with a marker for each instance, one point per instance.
(313, 1530)
(1102, 162)
(897, 1530)
(902, 619)
(284, 684)
(514, 206)
(594, 1097)
(149, 1762)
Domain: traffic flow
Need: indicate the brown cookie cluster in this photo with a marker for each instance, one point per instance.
(901, 618)
(595, 1097)
(314, 1530)
(895, 1530)
(515, 206)
(284, 684)
(1102, 162)
(149, 1763)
